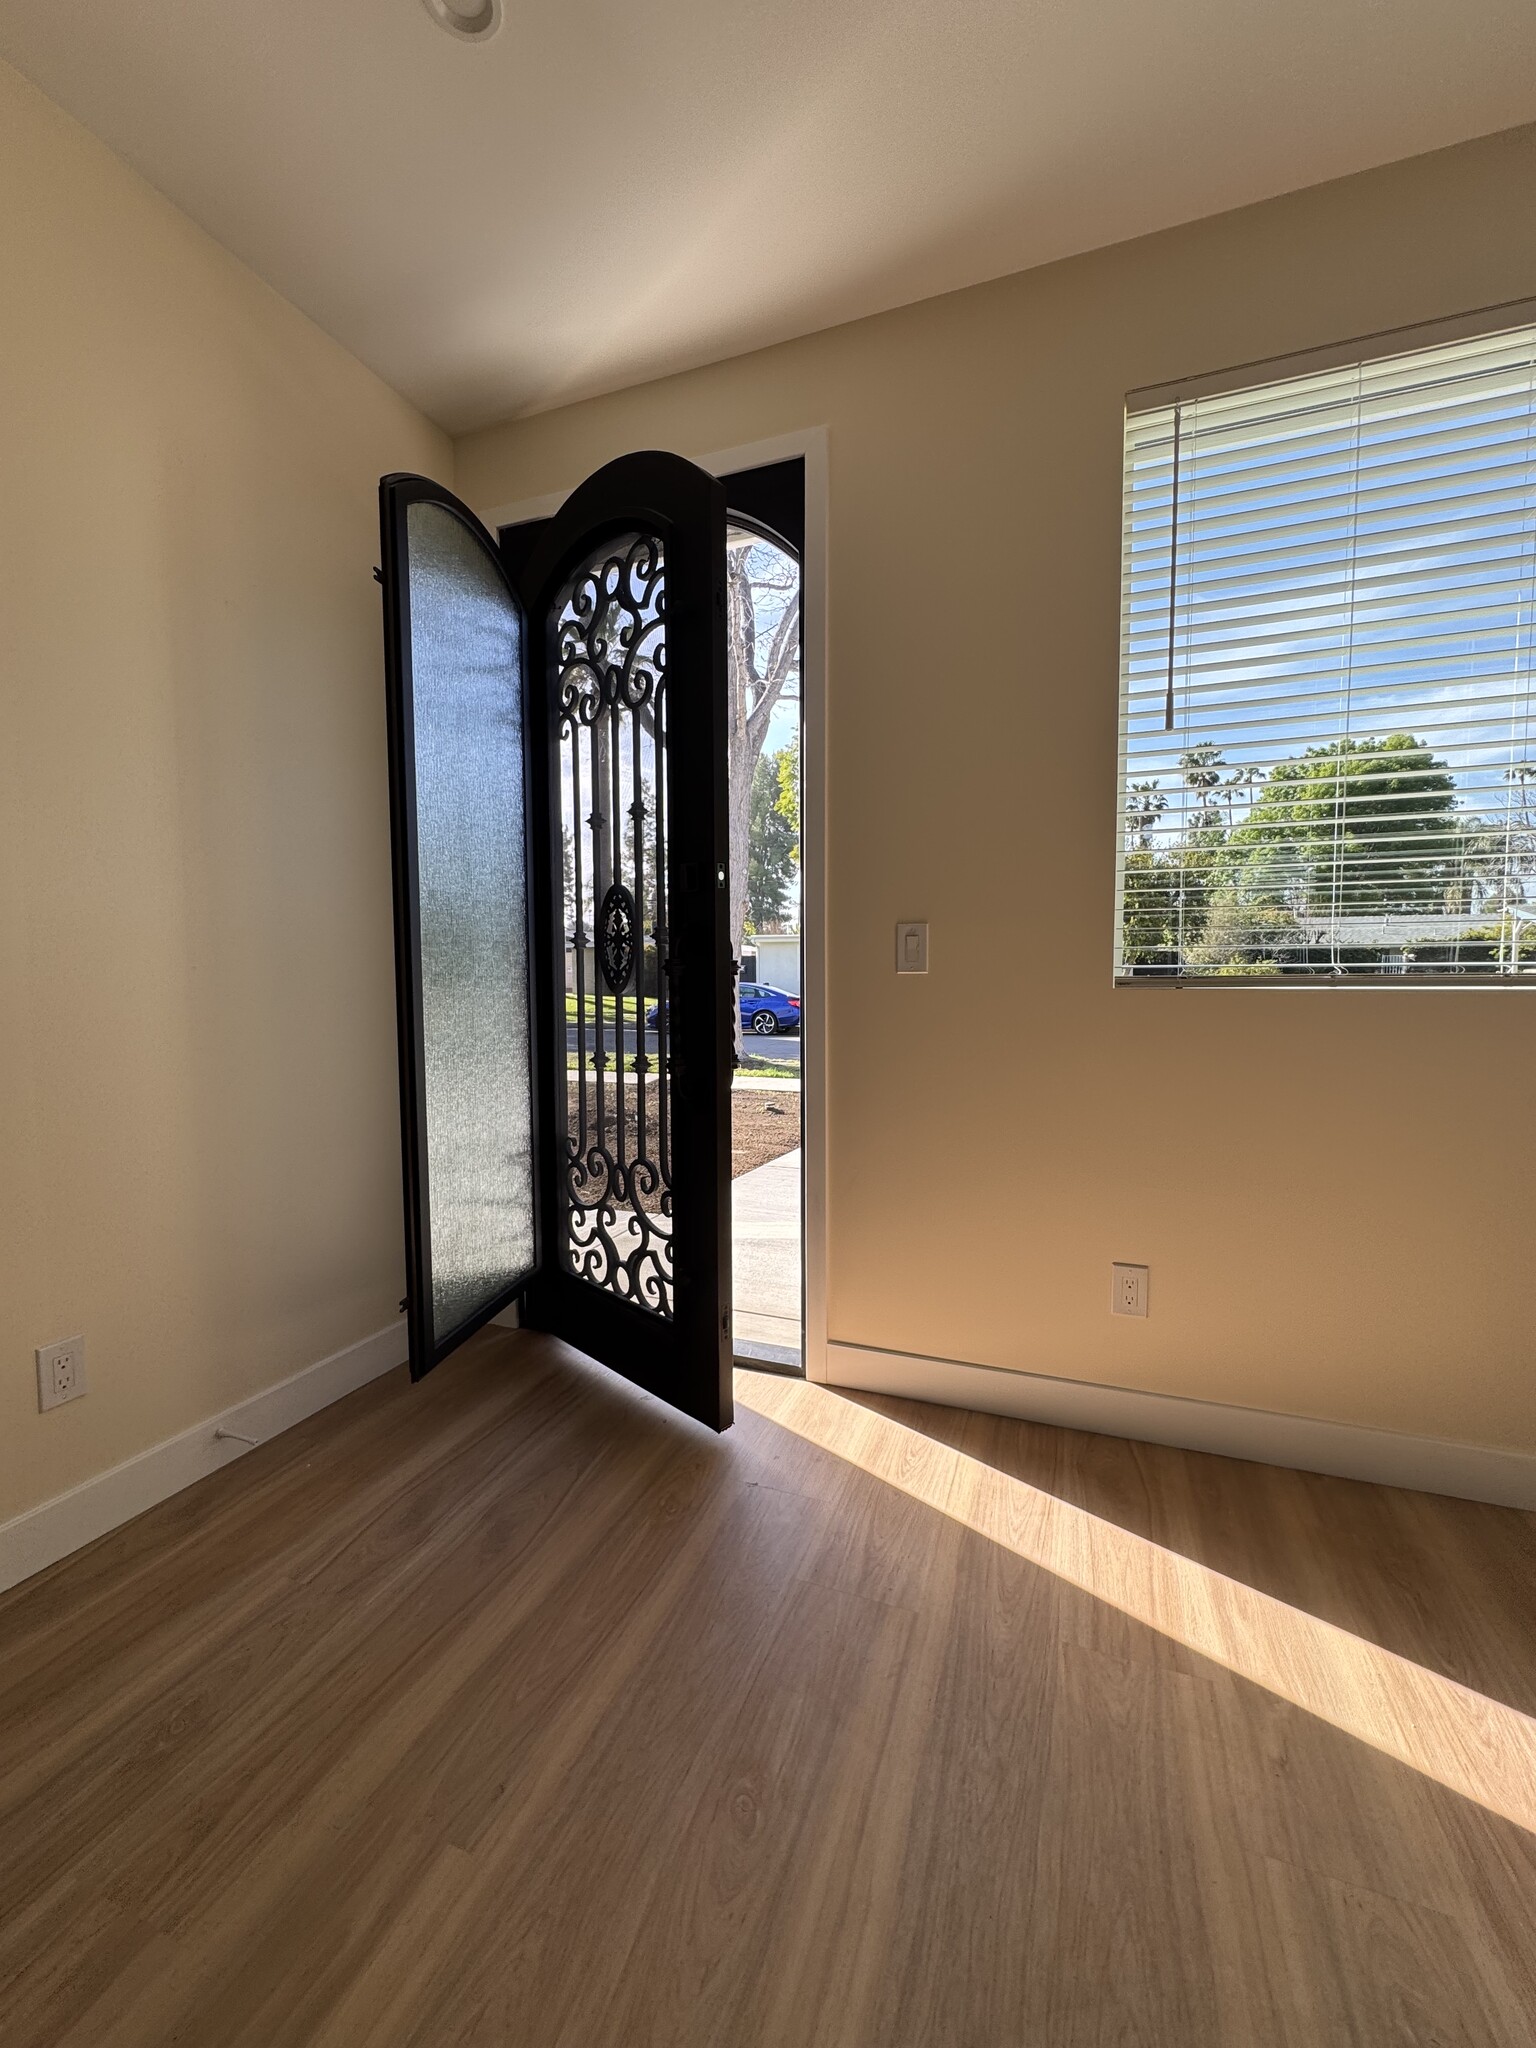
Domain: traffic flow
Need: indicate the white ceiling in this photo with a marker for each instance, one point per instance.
(605, 192)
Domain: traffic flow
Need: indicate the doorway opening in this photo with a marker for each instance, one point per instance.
(765, 539)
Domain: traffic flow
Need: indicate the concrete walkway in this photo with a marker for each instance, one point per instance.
(765, 1241)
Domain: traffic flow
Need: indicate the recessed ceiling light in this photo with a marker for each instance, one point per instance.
(473, 20)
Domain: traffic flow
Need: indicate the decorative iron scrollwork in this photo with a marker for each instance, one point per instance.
(617, 925)
(613, 632)
(612, 707)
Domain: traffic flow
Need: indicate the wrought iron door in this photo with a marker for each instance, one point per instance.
(627, 588)
(558, 778)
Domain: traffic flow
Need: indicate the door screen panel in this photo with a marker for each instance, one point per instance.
(611, 711)
(472, 857)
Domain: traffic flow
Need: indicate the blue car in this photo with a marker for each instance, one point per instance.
(764, 1010)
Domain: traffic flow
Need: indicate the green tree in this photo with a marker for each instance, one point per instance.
(1378, 814)
(1166, 896)
(1238, 936)
(773, 846)
(787, 801)
(1150, 910)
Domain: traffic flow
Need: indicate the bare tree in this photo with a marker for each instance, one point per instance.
(763, 646)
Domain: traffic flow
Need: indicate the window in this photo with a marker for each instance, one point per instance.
(1327, 759)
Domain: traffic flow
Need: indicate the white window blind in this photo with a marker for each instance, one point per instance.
(1328, 762)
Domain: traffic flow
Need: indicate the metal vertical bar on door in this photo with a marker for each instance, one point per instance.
(637, 839)
(579, 939)
(599, 886)
(659, 700)
(615, 880)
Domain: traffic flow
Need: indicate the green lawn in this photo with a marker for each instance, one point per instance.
(779, 1069)
(610, 1008)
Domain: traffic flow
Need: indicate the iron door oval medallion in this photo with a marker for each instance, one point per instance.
(616, 926)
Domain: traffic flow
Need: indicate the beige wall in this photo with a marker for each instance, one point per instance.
(1333, 1189)
(197, 1080)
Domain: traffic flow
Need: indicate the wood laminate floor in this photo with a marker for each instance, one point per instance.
(513, 1709)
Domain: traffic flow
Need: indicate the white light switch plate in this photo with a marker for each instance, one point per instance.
(911, 949)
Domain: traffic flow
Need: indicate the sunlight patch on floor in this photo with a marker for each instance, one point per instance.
(1472, 1745)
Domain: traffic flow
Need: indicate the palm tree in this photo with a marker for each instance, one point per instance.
(1242, 782)
(1144, 804)
(1202, 768)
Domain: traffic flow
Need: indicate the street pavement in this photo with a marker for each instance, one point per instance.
(783, 1048)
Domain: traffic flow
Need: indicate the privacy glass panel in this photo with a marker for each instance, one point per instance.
(466, 674)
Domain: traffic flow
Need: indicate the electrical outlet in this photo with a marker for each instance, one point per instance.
(60, 1372)
(1128, 1290)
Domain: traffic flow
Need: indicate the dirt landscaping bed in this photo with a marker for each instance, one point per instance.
(765, 1124)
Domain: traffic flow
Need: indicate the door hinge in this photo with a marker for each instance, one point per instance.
(378, 575)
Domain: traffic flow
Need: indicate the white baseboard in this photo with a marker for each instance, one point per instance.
(1347, 1450)
(52, 1530)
